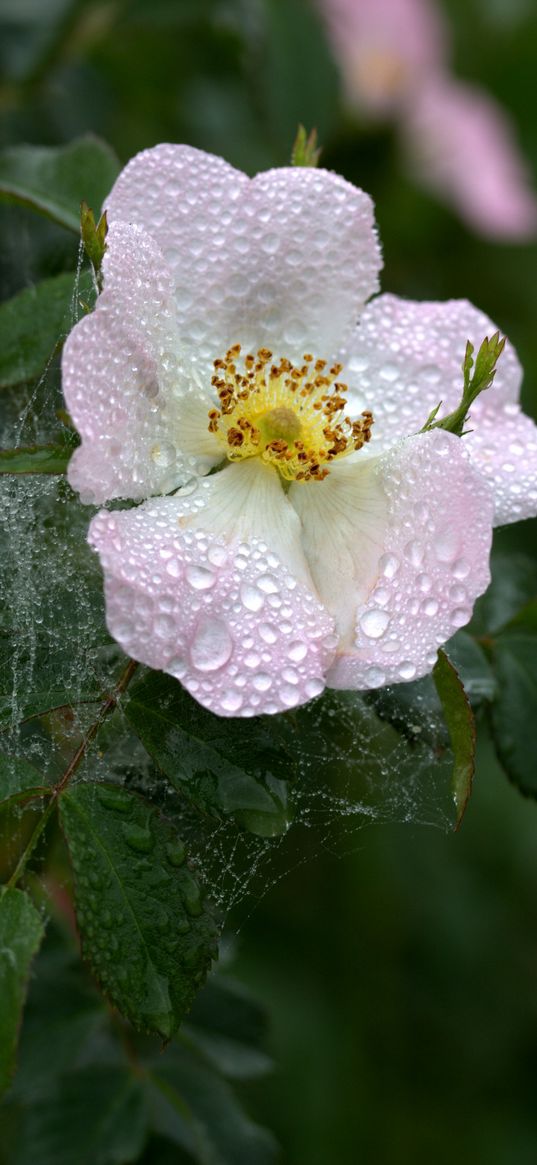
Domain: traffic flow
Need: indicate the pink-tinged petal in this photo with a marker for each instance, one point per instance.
(384, 48)
(193, 591)
(417, 523)
(126, 385)
(503, 444)
(406, 356)
(285, 260)
(461, 144)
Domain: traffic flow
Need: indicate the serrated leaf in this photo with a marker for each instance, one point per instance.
(55, 180)
(21, 932)
(97, 1116)
(34, 323)
(236, 767)
(461, 727)
(38, 458)
(221, 1132)
(229, 1027)
(19, 780)
(473, 667)
(146, 927)
(513, 584)
(514, 712)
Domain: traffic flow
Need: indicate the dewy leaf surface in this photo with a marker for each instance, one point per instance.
(35, 322)
(55, 180)
(461, 727)
(21, 932)
(236, 767)
(146, 928)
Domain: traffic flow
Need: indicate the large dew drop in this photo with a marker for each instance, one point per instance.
(212, 645)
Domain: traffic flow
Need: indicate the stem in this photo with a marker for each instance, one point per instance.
(108, 706)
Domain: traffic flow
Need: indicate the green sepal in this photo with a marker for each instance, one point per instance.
(93, 237)
(306, 151)
(474, 382)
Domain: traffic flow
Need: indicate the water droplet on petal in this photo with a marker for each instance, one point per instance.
(251, 597)
(212, 645)
(374, 622)
(200, 578)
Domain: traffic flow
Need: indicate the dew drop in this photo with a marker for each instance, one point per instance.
(374, 622)
(175, 853)
(251, 597)
(200, 578)
(297, 651)
(231, 701)
(388, 565)
(212, 646)
(138, 837)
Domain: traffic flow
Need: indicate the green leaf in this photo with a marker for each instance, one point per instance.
(473, 667)
(513, 584)
(38, 458)
(224, 767)
(514, 712)
(21, 932)
(194, 1098)
(35, 322)
(98, 1116)
(55, 180)
(461, 727)
(229, 1027)
(19, 780)
(146, 928)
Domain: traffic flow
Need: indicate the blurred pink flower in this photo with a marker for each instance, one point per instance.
(385, 48)
(458, 141)
(461, 145)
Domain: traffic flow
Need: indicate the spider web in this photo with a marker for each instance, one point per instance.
(360, 759)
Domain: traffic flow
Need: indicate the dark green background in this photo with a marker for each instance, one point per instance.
(402, 975)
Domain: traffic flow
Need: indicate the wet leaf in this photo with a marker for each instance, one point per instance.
(146, 927)
(21, 932)
(225, 767)
(461, 727)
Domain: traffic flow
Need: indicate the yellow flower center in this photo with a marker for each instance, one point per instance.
(291, 417)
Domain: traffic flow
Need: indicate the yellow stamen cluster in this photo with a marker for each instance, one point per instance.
(291, 417)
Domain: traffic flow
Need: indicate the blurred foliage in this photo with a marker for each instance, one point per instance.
(401, 977)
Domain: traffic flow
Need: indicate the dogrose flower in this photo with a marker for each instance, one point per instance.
(226, 339)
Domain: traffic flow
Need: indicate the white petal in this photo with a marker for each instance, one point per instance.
(285, 260)
(416, 525)
(503, 443)
(406, 357)
(193, 588)
(125, 378)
